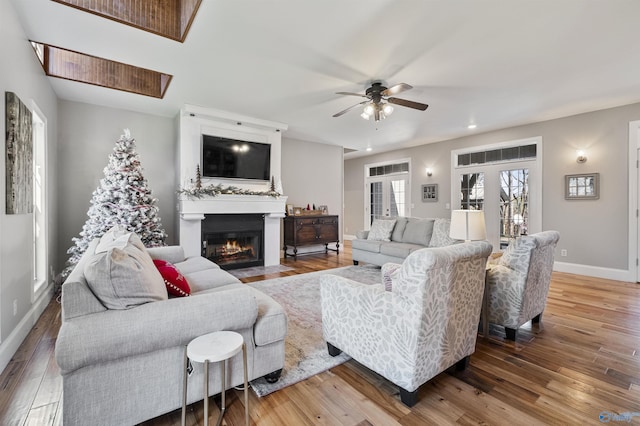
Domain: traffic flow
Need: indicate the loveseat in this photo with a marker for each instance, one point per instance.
(393, 239)
(124, 364)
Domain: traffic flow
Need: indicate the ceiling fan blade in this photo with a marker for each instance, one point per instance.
(351, 94)
(394, 90)
(409, 104)
(344, 111)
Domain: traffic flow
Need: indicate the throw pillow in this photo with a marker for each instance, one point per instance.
(517, 254)
(381, 229)
(418, 231)
(440, 237)
(177, 284)
(389, 272)
(123, 278)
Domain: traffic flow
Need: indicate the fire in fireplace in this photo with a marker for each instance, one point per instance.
(233, 241)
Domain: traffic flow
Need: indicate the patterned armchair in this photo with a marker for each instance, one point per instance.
(424, 325)
(518, 283)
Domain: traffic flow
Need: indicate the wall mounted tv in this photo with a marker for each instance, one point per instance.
(235, 159)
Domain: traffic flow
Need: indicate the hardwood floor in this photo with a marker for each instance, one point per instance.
(583, 360)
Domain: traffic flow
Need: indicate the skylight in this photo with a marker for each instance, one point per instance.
(75, 66)
(168, 18)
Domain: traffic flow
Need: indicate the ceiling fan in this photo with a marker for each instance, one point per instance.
(379, 100)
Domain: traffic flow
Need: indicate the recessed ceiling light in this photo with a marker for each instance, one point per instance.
(471, 126)
(369, 149)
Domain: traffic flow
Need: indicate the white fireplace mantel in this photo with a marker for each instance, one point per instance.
(192, 211)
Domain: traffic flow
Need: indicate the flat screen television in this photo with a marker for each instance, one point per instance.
(235, 159)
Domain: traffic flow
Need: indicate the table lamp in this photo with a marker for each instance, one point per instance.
(467, 225)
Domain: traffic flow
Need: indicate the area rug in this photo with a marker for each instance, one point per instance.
(259, 270)
(305, 349)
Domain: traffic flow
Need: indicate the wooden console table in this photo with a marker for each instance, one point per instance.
(310, 230)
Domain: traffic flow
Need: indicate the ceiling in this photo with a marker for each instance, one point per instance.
(494, 63)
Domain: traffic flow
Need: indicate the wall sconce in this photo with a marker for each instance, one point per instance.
(582, 157)
(428, 171)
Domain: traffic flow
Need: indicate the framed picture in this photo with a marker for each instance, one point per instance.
(323, 209)
(430, 192)
(582, 187)
(289, 209)
(297, 211)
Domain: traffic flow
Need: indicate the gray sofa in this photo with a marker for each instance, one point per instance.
(124, 366)
(406, 235)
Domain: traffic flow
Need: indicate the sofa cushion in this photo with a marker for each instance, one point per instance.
(381, 229)
(195, 264)
(122, 278)
(209, 278)
(176, 283)
(366, 245)
(398, 230)
(172, 254)
(418, 231)
(399, 249)
(440, 237)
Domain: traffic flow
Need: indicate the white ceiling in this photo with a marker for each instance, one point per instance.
(496, 63)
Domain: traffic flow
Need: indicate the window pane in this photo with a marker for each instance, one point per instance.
(514, 204)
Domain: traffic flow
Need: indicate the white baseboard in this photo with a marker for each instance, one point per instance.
(349, 237)
(9, 347)
(594, 271)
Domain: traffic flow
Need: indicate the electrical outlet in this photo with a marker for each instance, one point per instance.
(15, 307)
(563, 252)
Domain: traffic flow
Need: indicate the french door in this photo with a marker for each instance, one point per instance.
(509, 192)
(387, 196)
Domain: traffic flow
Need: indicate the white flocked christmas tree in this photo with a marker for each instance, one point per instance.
(123, 198)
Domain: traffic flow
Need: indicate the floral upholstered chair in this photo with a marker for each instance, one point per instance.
(426, 323)
(518, 282)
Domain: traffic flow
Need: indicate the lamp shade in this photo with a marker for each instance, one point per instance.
(467, 225)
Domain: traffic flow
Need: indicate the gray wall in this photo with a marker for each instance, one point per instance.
(87, 135)
(312, 173)
(21, 73)
(593, 232)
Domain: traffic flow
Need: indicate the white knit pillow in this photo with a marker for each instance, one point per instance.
(381, 229)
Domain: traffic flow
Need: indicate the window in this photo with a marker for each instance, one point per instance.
(39, 203)
(388, 190)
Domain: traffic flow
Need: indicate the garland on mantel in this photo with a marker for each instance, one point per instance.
(215, 190)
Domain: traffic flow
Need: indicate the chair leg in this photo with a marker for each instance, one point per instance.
(536, 319)
(333, 351)
(408, 398)
(273, 377)
(355, 262)
(511, 333)
(462, 364)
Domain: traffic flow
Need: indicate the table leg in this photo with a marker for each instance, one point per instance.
(246, 385)
(223, 374)
(206, 393)
(184, 388)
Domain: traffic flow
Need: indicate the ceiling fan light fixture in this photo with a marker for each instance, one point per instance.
(365, 116)
(369, 109)
(387, 109)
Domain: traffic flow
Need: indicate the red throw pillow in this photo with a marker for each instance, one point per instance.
(177, 284)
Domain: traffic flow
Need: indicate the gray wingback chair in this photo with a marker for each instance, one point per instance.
(426, 323)
(518, 282)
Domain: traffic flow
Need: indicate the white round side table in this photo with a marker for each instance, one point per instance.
(218, 346)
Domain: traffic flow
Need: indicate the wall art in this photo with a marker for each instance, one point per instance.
(18, 156)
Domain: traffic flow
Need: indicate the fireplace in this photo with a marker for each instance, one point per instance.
(233, 240)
